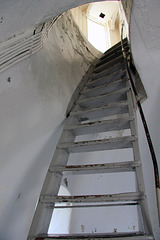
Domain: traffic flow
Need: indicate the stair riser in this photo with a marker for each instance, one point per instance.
(104, 89)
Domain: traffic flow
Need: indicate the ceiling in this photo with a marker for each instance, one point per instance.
(108, 8)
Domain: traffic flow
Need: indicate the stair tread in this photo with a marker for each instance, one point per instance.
(109, 58)
(98, 145)
(98, 168)
(110, 70)
(100, 112)
(109, 78)
(119, 197)
(103, 96)
(112, 56)
(108, 63)
(114, 49)
(111, 105)
(104, 85)
(117, 123)
(98, 236)
(97, 108)
(104, 88)
(116, 139)
(118, 65)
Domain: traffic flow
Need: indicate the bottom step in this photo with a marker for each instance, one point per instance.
(111, 236)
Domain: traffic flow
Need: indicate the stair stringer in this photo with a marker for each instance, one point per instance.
(138, 171)
(43, 215)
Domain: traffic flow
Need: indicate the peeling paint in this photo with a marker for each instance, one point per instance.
(9, 79)
(18, 197)
(66, 182)
(82, 228)
(115, 230)
(1, 19)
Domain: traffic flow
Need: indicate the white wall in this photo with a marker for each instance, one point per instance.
(32, 113)
(31, 122)
(81, 20)
(18, 16)
(145, 44)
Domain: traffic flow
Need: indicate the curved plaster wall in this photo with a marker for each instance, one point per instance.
(145, 44)
(32, 112)
(32, 109)
(18, 16)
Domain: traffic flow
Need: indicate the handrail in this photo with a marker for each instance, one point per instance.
(151, 148)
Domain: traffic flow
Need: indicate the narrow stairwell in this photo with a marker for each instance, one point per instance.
(105, 104)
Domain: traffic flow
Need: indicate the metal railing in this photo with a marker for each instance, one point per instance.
(150, 144)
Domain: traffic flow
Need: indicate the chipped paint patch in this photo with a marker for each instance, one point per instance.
(66, 182)
(82, 228)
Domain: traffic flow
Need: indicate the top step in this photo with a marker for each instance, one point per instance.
(111, 56)
(115, 48)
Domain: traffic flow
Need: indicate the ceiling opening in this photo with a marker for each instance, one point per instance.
(100, 22)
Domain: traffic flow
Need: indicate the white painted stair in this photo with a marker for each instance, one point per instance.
(102, 119)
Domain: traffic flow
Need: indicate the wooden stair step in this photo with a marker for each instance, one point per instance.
(100, 126)
(103, 99)
(98, 145)
(107, 79)
(105, 88)
(120, 197)
(112, 56)
(117, 67)
(98, 168)
(109, 63)
(97, 236)
(104, 111)
(114, 49)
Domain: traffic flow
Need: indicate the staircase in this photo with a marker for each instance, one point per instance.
(102, 119)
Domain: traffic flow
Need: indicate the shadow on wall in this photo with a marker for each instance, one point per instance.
(28, 190)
